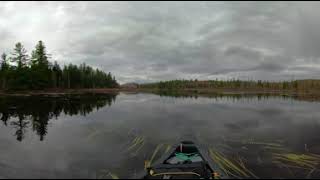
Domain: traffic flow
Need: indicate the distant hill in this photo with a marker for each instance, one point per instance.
(130, 85)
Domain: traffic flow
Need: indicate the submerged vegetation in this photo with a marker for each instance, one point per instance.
(307, 161)
(271, 154)
(232, 169)
(19, 71)
(237, 157)
(105, 174)
(136, 145)
(237, 162)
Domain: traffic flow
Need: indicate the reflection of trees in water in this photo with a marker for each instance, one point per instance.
(257, 96)
(20, 125)
(19, 112)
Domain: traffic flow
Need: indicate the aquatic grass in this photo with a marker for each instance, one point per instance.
(242, 164)
(139, 147)
(269, 144)
(275, 149)
(276, 146)
(310, 173)
(167, 148)
(155, 152)
(149, 162)
(307, 162)
(136, 145)
(113, 176)
(234, 168)
(220, 163)
(300, 160)
(93, 134)
(107, 174)
(133, 143)
(137, 141)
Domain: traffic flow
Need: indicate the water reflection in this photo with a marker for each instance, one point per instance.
(265, 134)
(259, 96)
(34, 113)
(237, 96)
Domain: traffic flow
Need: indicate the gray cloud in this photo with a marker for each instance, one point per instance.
(150, 41)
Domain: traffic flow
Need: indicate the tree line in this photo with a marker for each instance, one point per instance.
(21, 71)
(297, 85)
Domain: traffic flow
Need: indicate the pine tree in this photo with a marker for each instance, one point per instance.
(41, 74)
(4, 61)
(20, 56)
(40, 56)
(4, 70)
(56, 75)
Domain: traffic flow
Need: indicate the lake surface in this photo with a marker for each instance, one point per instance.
(103, 136)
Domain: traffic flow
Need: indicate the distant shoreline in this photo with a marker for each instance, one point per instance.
(301, 96)
(193, 91)
(58, 92)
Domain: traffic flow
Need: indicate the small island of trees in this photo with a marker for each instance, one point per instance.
(20, 71)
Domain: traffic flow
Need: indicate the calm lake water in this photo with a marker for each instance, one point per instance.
(100, 136)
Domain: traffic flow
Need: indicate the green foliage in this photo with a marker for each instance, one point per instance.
(39, 73)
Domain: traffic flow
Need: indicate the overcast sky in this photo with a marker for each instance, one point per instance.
(151, 41)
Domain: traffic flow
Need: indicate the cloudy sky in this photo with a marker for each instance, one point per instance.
(150, 41)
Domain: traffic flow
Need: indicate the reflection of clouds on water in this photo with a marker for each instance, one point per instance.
(79, 146)
(127, 98)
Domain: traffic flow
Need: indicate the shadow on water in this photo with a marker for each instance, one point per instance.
(35, 112)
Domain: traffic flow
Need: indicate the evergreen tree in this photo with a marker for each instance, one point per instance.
(39, 73)
(40, 56)
(4, 70)
(4, 61)
(56, 75)
(20, 56)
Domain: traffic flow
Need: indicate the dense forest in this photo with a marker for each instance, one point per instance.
(20, 71)
(296, 85)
